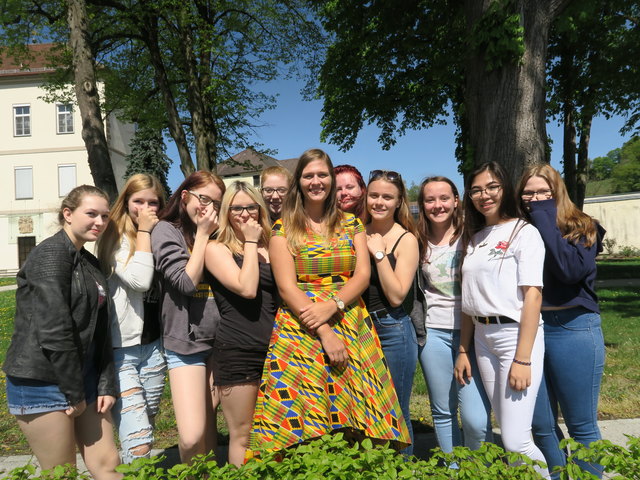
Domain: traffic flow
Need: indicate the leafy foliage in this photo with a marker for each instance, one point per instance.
(334, 458)
(148, 156)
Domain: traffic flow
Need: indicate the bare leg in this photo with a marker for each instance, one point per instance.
(51, 437)
(238, 404)
(213, 400)
(94, 435)
(190, 394)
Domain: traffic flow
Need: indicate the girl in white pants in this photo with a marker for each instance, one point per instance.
(502, 294)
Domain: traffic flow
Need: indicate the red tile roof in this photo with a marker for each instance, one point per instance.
(37, 61)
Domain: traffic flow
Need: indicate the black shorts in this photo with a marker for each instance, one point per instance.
(236, 364)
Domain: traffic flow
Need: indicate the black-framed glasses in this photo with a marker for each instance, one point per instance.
(545, 194)
(388, 174)
(238, 209)
(491, 190)
(282, 191)
(205, 200)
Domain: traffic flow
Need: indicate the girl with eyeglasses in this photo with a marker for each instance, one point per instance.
(393, 251)
(240, 275)
(125, 257)
(572, 331)
(501, 294)
(441, 249)
(189, 314)
(325, 370)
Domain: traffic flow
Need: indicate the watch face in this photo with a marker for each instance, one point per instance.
(379, 255)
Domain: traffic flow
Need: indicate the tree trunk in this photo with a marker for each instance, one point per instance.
(88, 99)
(569, 150)
(149, 32)
(204, 139)
(583, 160)
(506, 106)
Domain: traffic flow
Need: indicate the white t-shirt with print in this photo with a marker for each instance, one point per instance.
(443, 287)
(494, 269)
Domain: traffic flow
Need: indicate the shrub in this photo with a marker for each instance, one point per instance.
(332, 457)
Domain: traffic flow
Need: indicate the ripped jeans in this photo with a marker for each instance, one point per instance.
(140, 371)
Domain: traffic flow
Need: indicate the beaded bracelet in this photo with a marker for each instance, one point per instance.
(526, 364)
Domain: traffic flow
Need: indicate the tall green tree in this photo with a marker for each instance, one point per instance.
(626, 174)
(148, 155)
(594, 60)
(403, 65)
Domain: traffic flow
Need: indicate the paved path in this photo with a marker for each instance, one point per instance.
(613, 430)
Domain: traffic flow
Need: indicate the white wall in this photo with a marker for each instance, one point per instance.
(619, 215)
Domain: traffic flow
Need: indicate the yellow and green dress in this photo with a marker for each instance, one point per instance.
(301, 396)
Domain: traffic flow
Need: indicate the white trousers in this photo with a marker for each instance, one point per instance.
(495, 350)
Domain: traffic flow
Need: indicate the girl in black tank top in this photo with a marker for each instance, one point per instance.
(394, 260)
(240, 276)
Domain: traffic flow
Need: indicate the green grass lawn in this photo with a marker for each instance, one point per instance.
(620, 396)
(7, 281)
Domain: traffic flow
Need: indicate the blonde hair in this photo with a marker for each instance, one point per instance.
(226, 234)
(275, 171)
(574, 225)
(121, 223)
(294, 217)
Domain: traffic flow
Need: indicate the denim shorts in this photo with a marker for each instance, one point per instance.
(176, 360)
(26, 396)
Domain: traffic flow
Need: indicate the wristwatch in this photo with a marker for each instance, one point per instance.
(379, 255)
(339, 302)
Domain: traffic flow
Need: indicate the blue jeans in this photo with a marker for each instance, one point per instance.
(140, 374)
(573, 366)
(446, 395)
(400, 348)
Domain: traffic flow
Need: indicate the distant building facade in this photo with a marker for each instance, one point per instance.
(619, 214)
(248, 165)
(42, 157)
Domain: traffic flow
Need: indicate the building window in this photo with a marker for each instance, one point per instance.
(65, 118)
(66, 179)
(21, 120)
(256, 181)
(25, 245)
(24, 183)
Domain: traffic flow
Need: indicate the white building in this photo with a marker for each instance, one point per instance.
(42, 157)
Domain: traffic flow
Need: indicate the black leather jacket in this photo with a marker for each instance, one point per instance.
(57, 319)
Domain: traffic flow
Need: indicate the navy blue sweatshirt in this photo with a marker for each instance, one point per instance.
(569, 269)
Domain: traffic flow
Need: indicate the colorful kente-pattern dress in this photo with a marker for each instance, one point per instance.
(301, 396)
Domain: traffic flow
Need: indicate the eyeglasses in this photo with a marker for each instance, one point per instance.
(388, 174)
(491, 190)
(545, 194)
(205, 200)
(238, 209)
(282, 191)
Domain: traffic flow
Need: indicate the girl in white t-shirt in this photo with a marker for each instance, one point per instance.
(439, 231)
(502, 294)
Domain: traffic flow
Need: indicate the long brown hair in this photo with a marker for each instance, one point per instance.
(424, 224)
(402, 215)
(294, 217)
(176, 214)
(226, 234)
(121, 223)
(575, 226)
(474, 221)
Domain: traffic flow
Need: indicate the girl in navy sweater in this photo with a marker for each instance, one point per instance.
(574, 345)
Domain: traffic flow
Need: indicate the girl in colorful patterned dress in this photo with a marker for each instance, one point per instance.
(325, 369)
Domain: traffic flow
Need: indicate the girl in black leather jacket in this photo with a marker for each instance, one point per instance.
(59, 366)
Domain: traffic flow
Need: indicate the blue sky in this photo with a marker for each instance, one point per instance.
(294, 126)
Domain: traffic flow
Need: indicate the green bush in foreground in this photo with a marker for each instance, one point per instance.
(332, 457)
